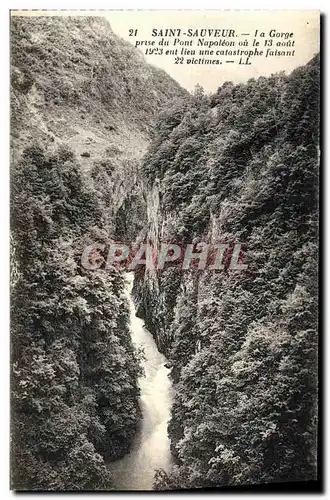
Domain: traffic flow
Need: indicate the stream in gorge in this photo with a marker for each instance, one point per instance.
(151, 447)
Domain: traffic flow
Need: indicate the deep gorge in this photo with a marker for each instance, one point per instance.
(129, 155)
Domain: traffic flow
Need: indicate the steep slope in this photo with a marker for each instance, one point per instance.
(239, 166)
(83, 103)
(75, 82)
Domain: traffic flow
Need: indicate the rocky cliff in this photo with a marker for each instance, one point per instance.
(75, 82)
(239, 166)
(83, 105)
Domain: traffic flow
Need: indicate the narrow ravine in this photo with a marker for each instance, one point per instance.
(151, 449)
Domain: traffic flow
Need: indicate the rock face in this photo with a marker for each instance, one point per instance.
(75, 82)
(83, 104)
(239, 166)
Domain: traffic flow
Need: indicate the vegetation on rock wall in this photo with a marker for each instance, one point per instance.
(77, 91)
(241, 166)
(237, 166)
(74, 383)
(75, 82)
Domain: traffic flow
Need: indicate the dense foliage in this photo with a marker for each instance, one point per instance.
(240, 166)
(74, 384)
(74, 81)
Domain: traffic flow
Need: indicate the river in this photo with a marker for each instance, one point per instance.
(151, 448)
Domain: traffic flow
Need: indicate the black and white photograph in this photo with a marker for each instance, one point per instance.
(164, 250)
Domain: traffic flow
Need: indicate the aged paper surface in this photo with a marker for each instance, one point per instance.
(164, 220)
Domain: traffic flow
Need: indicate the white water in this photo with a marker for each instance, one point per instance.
(151, 449)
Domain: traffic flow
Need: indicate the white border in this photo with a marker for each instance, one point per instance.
(4, 184)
